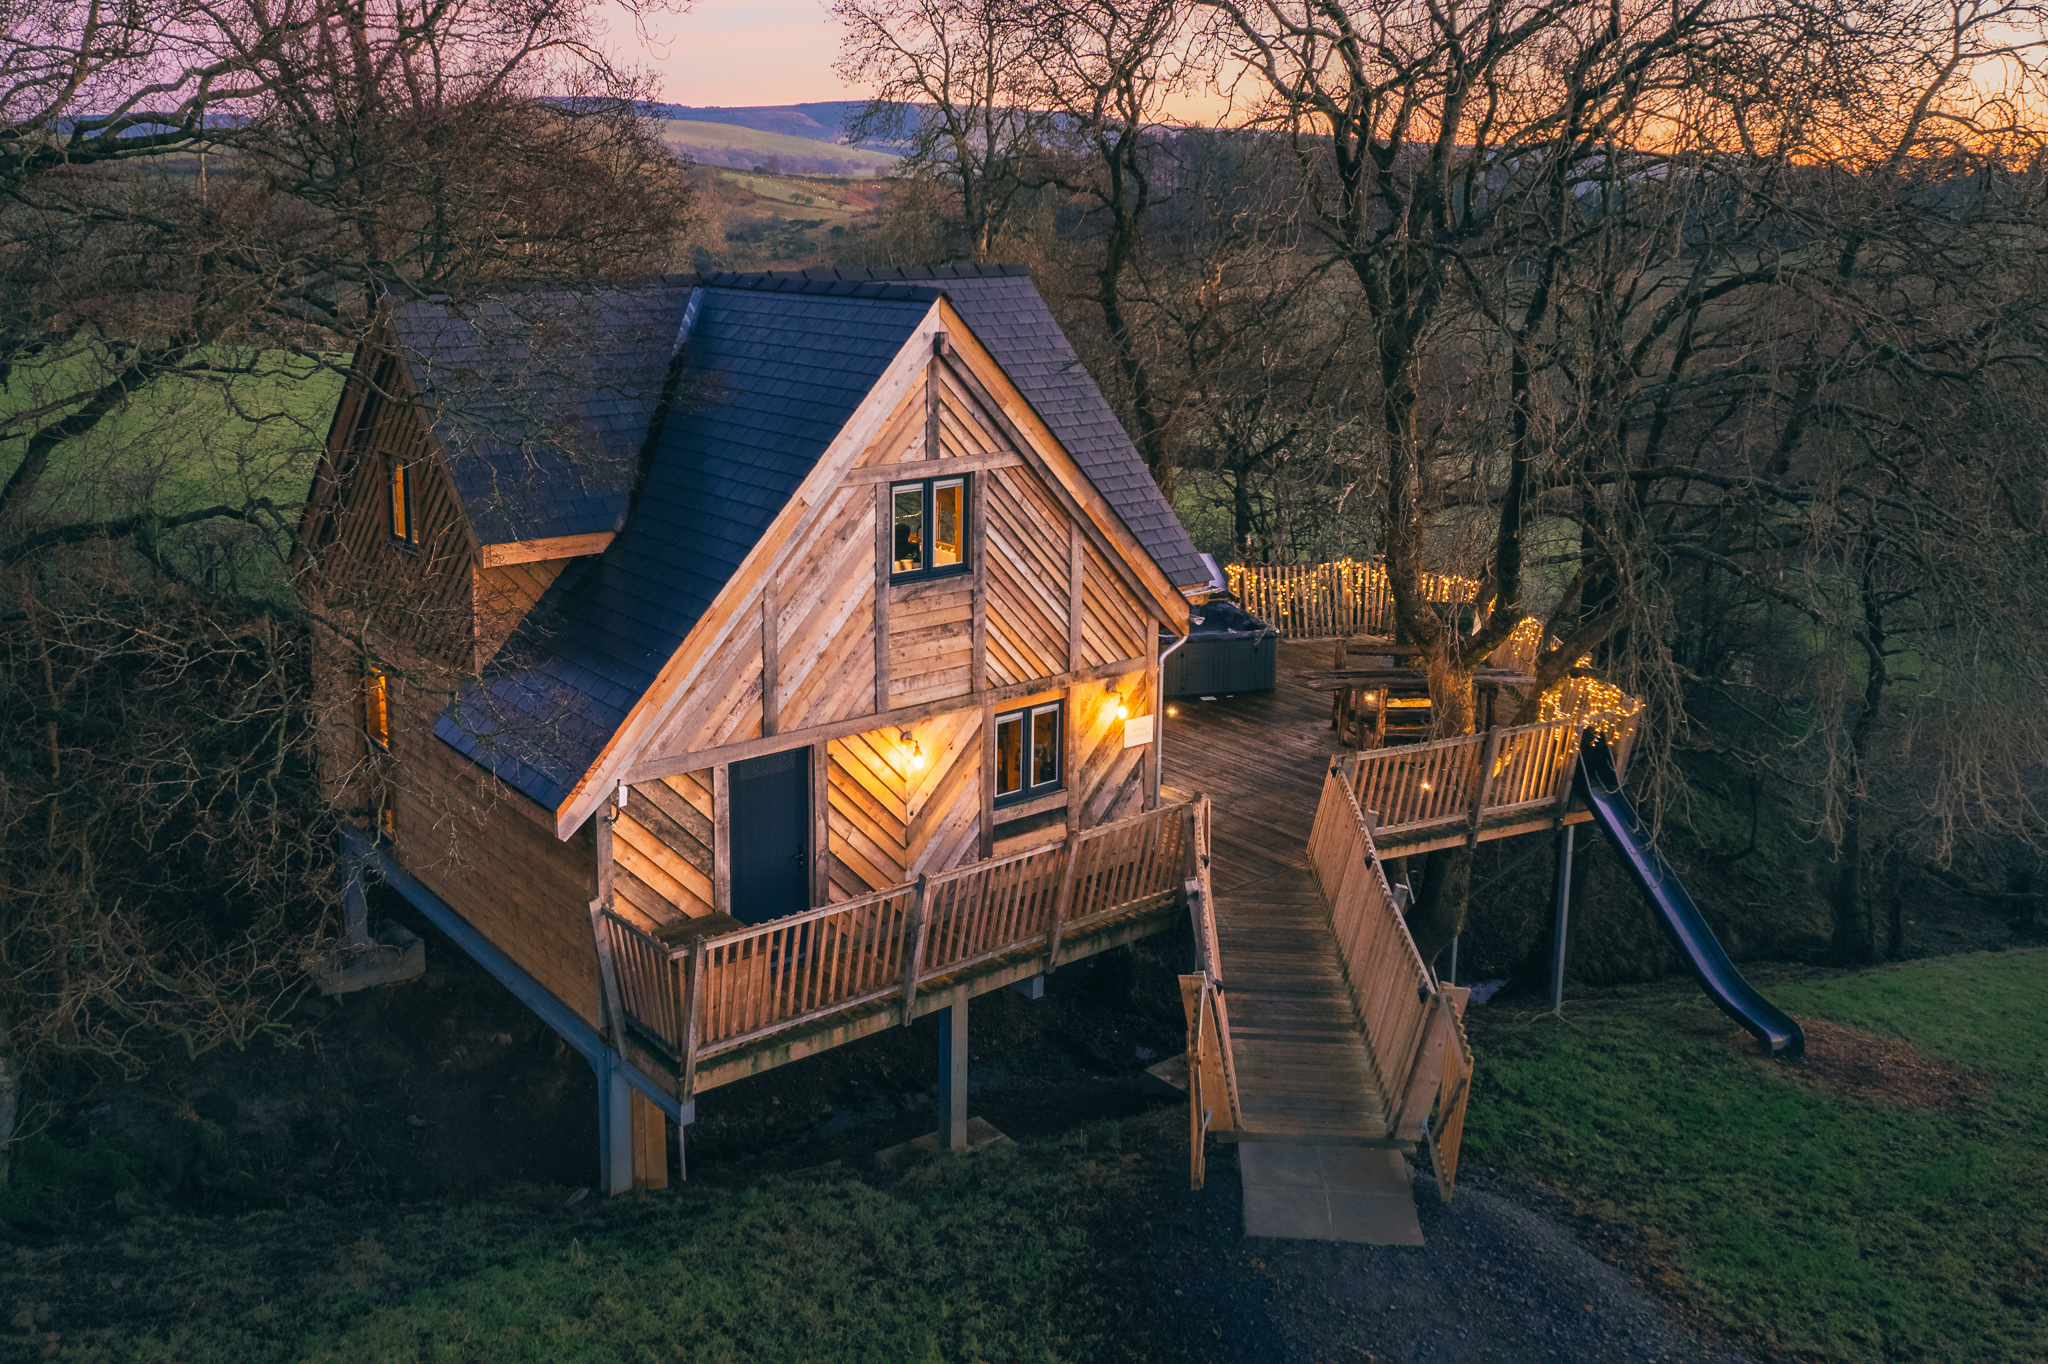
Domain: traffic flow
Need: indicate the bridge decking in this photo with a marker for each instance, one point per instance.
(1303, 1070)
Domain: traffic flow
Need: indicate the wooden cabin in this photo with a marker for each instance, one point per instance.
(700, 604)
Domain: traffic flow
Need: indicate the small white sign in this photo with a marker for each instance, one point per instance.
(1137, 731)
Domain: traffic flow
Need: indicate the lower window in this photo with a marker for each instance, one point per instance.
(1028, 753)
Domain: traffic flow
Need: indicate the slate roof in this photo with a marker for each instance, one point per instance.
(1002, 307)
(773, 367)
(768, 381)
(542, 400)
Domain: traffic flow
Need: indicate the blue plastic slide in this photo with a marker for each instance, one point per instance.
(1601, 790)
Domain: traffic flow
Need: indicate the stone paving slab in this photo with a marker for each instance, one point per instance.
(1328, 1193)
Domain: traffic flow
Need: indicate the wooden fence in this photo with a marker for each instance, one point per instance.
(1477, 776)
(1454, 1087)
(1393, 994)
(723, 992)
(1351, 597)
(1322, 601)
(1404, 1015)
(1212, 1066)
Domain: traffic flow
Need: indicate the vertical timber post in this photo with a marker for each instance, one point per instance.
(953, 1070)
(1564, 908)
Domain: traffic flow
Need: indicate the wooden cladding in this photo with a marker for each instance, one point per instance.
(663, 850)
(824, 636)
(1028, 605)
(392, 544)
(889, 818)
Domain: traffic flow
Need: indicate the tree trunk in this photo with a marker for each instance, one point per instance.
(10, 1103)
(1855, 938)
(1438, 915)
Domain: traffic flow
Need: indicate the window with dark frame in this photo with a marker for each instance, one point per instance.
(1028, 753)
(929, 537)
(401, 503)
(377, 708)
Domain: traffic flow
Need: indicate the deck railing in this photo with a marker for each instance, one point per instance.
(1322, 601)
(1477, 777)
(1212, 1065)
(1352, 597)
(1393, 994)
(727, 991)
(1454, 1087)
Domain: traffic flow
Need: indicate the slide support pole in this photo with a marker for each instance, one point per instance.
(1564, 911)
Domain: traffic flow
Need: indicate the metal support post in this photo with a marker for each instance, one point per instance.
(1564, 910)
(1452, 978)
(953, 1070)
(614, 1124)
(355, 905)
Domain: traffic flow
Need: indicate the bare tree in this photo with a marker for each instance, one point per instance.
(952, 78)
(1629, 267)
(203, 209)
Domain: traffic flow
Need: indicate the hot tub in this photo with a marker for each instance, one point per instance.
(1228, 650)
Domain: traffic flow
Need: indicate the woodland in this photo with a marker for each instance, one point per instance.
(1708, 335)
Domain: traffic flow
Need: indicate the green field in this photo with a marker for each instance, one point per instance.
(718, 142)
(1796, 1218)
(181, 444)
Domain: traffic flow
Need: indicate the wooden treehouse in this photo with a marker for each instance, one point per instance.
(740, 665)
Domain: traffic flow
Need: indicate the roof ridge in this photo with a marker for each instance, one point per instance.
(850, 278)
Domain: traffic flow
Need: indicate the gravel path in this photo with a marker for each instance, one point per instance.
(1499, 1280)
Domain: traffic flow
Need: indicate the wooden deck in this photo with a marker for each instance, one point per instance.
(1303, 1070)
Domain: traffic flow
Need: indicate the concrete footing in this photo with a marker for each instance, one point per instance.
(980, 1136)
(391, 958)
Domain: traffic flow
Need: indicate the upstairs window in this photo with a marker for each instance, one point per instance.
(1028, 753)
(377, 708)
(930, 534)
(401, 503)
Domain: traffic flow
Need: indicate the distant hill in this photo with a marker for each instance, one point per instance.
(820, 122)
(744, 148)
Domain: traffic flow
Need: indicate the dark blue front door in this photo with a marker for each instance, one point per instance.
(770, 808)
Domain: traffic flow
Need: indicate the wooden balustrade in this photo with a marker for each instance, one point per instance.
(1477, 776)
(1454, 1086)
(1321, 601)
(792, 970)
(650, 992)
(761, 980)
(1393, 994)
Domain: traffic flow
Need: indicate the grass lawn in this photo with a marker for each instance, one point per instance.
(1790, 1216)
(183, 444)
(955, 1259)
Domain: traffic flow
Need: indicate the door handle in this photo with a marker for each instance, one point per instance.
(799, 857)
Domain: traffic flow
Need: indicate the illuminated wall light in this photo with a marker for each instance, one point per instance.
(1110, 697)
(916, 750)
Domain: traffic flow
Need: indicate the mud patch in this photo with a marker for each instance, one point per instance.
(1886, 1070)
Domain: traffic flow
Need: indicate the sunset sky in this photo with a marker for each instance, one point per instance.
(740, 52)
(743, 52)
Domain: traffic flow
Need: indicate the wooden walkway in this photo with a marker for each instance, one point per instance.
(1303, 1071)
